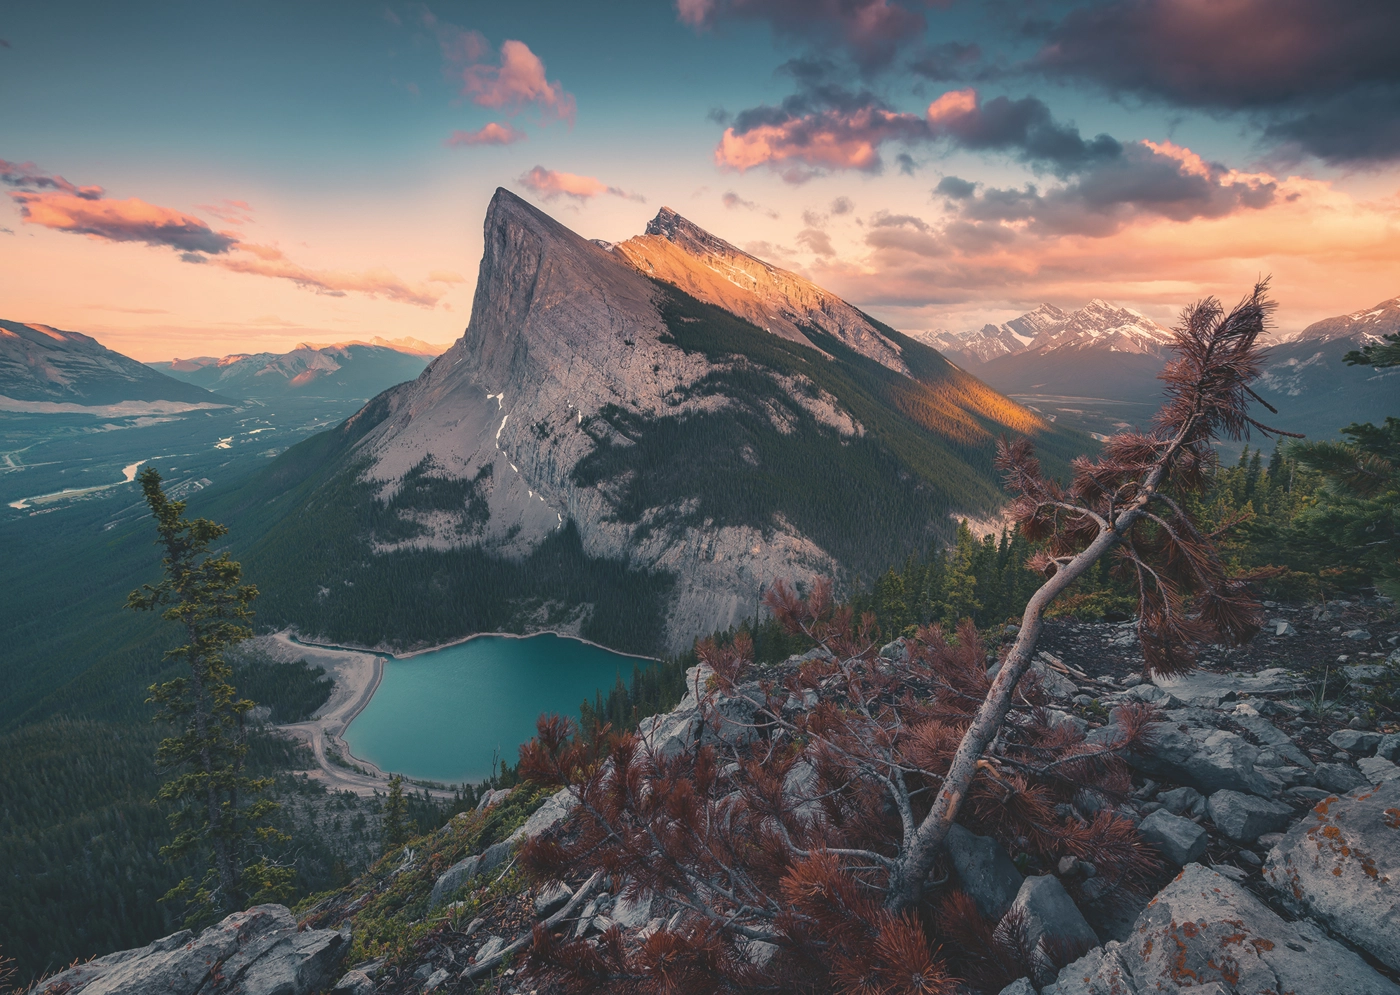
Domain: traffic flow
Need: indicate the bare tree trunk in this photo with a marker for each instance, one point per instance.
(907, 879)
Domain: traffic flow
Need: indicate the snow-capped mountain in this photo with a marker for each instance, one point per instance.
(1314, 390)
(1097, 325)
(1361, 327)
(1101, 325)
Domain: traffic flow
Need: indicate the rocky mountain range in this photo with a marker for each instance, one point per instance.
(1315, 391)
(342, 370)
(669, 411)
(46, 364)
(1096, 368)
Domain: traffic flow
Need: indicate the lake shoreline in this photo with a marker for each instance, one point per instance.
(442, 712)
(295, 638)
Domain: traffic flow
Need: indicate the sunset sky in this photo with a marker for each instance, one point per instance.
(184, 179)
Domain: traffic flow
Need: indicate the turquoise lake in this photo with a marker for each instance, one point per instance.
(440, 716)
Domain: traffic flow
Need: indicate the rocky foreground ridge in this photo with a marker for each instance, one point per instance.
(1277, 811)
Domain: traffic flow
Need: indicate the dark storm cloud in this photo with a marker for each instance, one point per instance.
(1023, 128)
(1145, 181)
(1322, 76)
(955, 188)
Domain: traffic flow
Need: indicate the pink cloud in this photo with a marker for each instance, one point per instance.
(517, 81)
(129, 220)
(832, 139)
(271, 262)
(27, 176)
(490, 134)
(549, 184)
(54, 203)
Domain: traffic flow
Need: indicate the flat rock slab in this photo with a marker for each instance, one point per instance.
(1210, 690)
(1204, 932)
(1244, 818)
(257, 952)
(1341, 865)
(1205, 758)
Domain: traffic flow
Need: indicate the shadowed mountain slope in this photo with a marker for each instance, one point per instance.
(606, 452)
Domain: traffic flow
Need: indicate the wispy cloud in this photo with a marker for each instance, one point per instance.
(262, 260)
(52, 202)
(870, 31)
(731, 200)
(490, 134)
(549, 184)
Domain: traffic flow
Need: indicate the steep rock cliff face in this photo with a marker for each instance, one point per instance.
(718, 431)
(562, 329)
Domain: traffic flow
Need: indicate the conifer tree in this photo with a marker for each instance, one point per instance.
(217, 809)
(960, 582)
(395, 810)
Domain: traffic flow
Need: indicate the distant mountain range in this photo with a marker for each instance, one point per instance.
(628, 442)
(1097, 367)
(1315, 391)
(344, 370)
(40, 363)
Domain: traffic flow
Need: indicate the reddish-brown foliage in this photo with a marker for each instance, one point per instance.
(1186, 596)
(790, 839)
(814, 833)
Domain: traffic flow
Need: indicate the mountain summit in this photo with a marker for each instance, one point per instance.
(1098, 325)
(43, 363)
(628, 442)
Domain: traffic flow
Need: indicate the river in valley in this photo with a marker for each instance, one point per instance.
(442, 715)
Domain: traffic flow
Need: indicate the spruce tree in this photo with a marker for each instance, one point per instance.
(960, 582)
(218, 812)
(395, 812)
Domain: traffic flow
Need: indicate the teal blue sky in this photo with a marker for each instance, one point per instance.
(272, 172)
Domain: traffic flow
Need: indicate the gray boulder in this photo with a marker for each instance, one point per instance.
(1339, 778)
(1180, 840)
(354, 983)
(1102, 971)
(984, 871)
(1205, 758)
(550, 897)
(257, 952)
(1270, 735)
(1355, 741)
(1209, 690)
(685, 726)
(1185, 800)
(1056, 684)
(1341, 863)
(1021, 986)
(1244, 818)
(462, 873)
(493, 945)
(1051, 917)
(1377, 770)
(1389, 747)
(1203, 932)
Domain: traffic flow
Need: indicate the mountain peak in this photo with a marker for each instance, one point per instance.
(678, 251)
(1367, 325)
